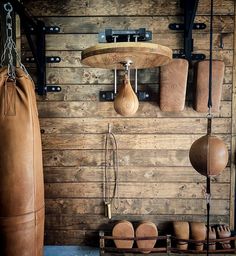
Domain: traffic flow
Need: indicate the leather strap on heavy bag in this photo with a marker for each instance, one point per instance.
(21, 170)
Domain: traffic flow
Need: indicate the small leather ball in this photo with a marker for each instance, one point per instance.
(126, 102)
(208, 155)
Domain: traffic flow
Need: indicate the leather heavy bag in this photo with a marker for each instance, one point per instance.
(21, 172)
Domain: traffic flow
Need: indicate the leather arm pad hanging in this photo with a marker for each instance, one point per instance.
(173, 83)
(202, 81)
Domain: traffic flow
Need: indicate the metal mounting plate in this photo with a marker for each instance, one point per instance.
(110, 35)
(49, 59)
(194, 56)
(110, 96)
(180, 26)
(50, 88)
(48, 29)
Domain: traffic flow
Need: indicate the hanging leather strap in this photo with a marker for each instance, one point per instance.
(10, 97)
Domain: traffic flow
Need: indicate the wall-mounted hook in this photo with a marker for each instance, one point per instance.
(221, 44)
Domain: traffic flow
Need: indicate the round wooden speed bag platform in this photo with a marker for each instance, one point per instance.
(112, 55)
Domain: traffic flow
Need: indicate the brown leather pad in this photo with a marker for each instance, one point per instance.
(146, 229)
(123, 229)
(202, 85)
(198, 232)
(181, 230)
(173, 83)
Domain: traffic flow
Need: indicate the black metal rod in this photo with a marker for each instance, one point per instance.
(190, 8)
(208, 190)
(210, 61)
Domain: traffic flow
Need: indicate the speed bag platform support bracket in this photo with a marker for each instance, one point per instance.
(130, 35)
(190, 8)
(36, 28)
(110, 96)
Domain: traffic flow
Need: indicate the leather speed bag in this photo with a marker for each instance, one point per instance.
(126, 102)
(208, 155)
(21, 170)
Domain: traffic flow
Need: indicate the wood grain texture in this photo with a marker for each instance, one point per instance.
(171, 40)
(130, 174)
(156, 24)
(105, 110)
(90, 92)
(137, 190)
(233, 138)
(165, 125)
(73, 221)
(70, 59)
(157, 182)
(141, 54)
(96, 141)
(128, 7)
(137, 207)
(106, 76)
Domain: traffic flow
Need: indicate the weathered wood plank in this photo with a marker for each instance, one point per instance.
(156, 24)
(133, 125)
(131, 174)
(90, 92)
(138, 206)
(73, 58)
(78, 158)
(71, 237)
(104, 76)
(100, 222)
(97, 141)
(105, 109)
(233, 138)
(172, 40)
(128, 8)
(137, 190)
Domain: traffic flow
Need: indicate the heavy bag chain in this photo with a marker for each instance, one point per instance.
(10, 46)
(107, 197)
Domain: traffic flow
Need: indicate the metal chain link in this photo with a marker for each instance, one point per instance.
(10, 46)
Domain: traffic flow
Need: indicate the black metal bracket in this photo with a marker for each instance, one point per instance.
(110, 96)
(111, 35)
(49, 59)
(36, 28)
(190, 8)
(180, 26)
(194, 56)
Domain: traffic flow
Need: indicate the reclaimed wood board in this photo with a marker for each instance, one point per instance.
(157, 182)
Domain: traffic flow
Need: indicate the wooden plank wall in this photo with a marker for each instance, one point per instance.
(157, 181)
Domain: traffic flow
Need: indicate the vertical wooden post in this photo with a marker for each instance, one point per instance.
(233, 134)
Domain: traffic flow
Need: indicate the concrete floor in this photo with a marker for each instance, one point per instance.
(70, 251)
